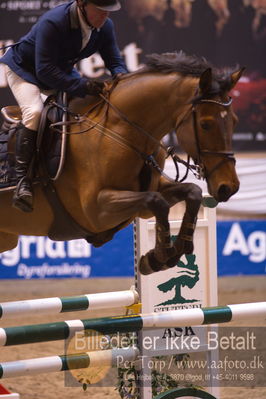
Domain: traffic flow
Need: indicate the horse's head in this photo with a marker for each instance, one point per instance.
(205, 132)
(174, 90)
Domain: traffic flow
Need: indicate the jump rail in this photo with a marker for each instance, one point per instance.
(184, 392)
(51, 364)
(105, 300)
(110, 325)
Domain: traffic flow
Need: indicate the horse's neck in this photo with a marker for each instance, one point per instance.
(82, 105)
(154, 101)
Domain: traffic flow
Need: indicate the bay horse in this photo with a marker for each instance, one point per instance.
(112, 169)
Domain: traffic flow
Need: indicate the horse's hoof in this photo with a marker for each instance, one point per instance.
(182, 248)
(144, 266)
(148, 264)
(173, 261)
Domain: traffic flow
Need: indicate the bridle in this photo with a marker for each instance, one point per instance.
(226, 156)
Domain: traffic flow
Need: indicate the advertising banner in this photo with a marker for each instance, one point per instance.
(226, 32)
(40, 258)
(241, 249)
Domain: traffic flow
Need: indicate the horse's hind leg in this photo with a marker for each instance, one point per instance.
(8, 241)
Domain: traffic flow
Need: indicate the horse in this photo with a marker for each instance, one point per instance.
(114, 162)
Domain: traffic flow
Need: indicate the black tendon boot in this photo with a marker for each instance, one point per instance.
(25, 149)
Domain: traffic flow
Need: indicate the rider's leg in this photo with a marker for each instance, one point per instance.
(25, 149)
(29, 99)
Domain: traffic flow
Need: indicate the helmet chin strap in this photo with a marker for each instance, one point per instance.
(83, 12)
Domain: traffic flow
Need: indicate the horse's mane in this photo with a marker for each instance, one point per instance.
(186, 65)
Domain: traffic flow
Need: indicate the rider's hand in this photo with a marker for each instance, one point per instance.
(95, 87)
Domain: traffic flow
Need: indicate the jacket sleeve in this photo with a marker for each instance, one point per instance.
(109, 51)
(48, 47)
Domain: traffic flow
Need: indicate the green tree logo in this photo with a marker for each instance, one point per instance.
(188, 276)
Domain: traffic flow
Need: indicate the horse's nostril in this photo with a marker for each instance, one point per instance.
(224, 192)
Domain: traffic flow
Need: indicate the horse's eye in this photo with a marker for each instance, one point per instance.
(206, 125)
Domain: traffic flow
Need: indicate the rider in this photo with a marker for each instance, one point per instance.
(44, 60)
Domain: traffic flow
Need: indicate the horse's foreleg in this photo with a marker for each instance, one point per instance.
(8, 241)
(183, 244)
(192, 195)
(118, 206)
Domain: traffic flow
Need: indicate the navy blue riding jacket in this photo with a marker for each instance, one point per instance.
(47, 54)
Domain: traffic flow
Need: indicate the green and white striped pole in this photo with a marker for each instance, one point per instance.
(105, 300)
(110, 325)
(109, 357)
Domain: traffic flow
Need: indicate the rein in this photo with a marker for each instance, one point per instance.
(197, 169)
(148, 159)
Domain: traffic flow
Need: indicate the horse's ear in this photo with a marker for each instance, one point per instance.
(205, 83)
(236, 76)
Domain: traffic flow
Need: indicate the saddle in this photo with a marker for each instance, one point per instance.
(51, 146)
(48, 165)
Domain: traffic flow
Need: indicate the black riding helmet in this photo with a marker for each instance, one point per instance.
(106, 5)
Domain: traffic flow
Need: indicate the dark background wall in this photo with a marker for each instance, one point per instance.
(227, 33)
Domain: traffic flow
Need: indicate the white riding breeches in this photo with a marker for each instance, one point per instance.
(29, 98)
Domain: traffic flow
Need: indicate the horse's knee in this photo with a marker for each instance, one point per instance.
(195, 194)
(157, 204)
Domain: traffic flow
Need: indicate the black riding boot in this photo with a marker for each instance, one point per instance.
(25, 149)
